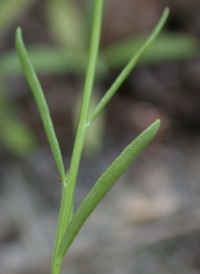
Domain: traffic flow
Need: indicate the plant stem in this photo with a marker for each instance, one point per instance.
(69, 186)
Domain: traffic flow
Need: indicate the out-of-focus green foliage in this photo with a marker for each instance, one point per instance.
(66, 23)
(94, 137)
(49, 60)
(16, 135)
(13, 133)
(11, 11)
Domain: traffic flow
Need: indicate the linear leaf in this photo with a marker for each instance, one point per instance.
(168, 46)
(104, 184)
(40, 100)
(128, 68)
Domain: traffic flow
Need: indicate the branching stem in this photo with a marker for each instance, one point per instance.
(69, 187)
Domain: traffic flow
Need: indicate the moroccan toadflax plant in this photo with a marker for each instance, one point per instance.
(69, 223)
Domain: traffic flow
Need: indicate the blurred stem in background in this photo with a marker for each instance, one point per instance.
(16, 136)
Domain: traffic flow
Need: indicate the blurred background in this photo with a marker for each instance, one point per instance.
(150, 221)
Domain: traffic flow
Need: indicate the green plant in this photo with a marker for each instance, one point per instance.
(69, 223)
(70, 56)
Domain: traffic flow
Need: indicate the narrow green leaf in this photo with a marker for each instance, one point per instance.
(103, 185)
(127, 70)
(168, 46)
(40, 100)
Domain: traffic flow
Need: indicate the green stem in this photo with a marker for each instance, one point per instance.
(69, 187)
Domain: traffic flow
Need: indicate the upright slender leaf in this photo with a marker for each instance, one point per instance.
(131, 64)
(168, 46)
(40, 100)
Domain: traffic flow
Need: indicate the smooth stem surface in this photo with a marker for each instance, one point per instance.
(126, 71)
(69, 187)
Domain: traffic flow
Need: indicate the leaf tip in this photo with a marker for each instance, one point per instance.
(155, 126)
(167, 10)
(157, 122)
(18, 32)
(18, 36)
